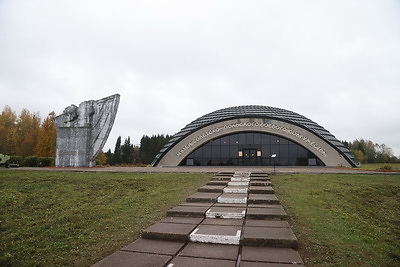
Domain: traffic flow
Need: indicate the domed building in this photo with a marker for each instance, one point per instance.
(254, 136)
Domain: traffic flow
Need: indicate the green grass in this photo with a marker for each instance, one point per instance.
(377, 166)
(343, 220)
(76, 219)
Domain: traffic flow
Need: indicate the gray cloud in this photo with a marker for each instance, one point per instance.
(335, 62)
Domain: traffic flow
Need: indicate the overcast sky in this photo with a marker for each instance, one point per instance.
(335, 62)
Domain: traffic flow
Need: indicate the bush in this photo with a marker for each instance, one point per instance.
(31, 161)
(46, 161)
(386, 167)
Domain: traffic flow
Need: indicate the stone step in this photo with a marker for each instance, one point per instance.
(187, 211)
(266, 213)
(232, 198)
(225, 174)
(211, 188)
(238, 183)
(265, 236)
(221, 178)
(214, 182)
(226, 213)
(270, 256)
(236, 189)
(169, 231)
(261, 190)
(260, 183)
(265, 179)
(216, 234)
(262, 199)
(203, 197)
(275, 223)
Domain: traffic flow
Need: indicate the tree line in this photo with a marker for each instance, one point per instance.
(27, 135)
(366, 151)
(144, 153)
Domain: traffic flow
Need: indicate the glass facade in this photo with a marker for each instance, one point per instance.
(251, 149)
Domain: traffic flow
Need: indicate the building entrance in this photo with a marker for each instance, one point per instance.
(249, 157)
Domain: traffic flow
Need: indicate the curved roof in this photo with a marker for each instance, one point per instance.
(254, 111)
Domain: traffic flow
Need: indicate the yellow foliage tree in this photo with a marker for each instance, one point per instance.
(46, 141)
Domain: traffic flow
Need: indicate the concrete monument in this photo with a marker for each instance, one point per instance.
(83, 131)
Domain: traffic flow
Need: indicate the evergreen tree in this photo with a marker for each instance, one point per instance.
(117, 151)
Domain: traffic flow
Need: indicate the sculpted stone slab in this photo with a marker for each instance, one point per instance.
(83, 131)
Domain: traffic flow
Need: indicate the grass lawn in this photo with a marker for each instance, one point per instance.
(377, 166)
(76, 219)
(343, 220)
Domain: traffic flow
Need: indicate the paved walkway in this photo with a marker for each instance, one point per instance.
(234, 220)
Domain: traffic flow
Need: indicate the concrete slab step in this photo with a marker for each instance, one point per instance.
(154, 246)
(212, 188)
(126, 258)
(203, 197)
(210, 251)
(211, 221)
(265, 213)
(188, 211)
(238, 183)
(184, 220)
(226, 213)
(261, 189)
(236, 189)
(260, 183)
(271, 255)
(216, 234)
(240, 179)
(169, 231)
(180, 261)
(267, 223)
(265, 236)
(265, 179)
(221, 178)
(262, 199)
(215, 182)
(232, 198)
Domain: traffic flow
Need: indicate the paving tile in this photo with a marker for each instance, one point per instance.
(226, 212)
(210, 251)
(186, 220)
(260, 183)
(263, 199)
(210, 221)
(200, 262)
(265, 213)
(238, 183)
(267, 264)
(240, 179)
(216, 234)
(270, 206)
(196, 204)
(263, 236)
(213, 182)
(221, 178)
(269, 254)
(169, 231)
(154, 246)
(235, 205)
(127, 258)
(232, 198)
(211, 188)
(255, 178)
(261, 190)
(203, 197)
(236, 189)
(187, 211)
(267, 223)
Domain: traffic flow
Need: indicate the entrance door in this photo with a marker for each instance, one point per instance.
(249, 157)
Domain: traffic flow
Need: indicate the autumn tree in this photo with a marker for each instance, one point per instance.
(8, 130)
(46, 141)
